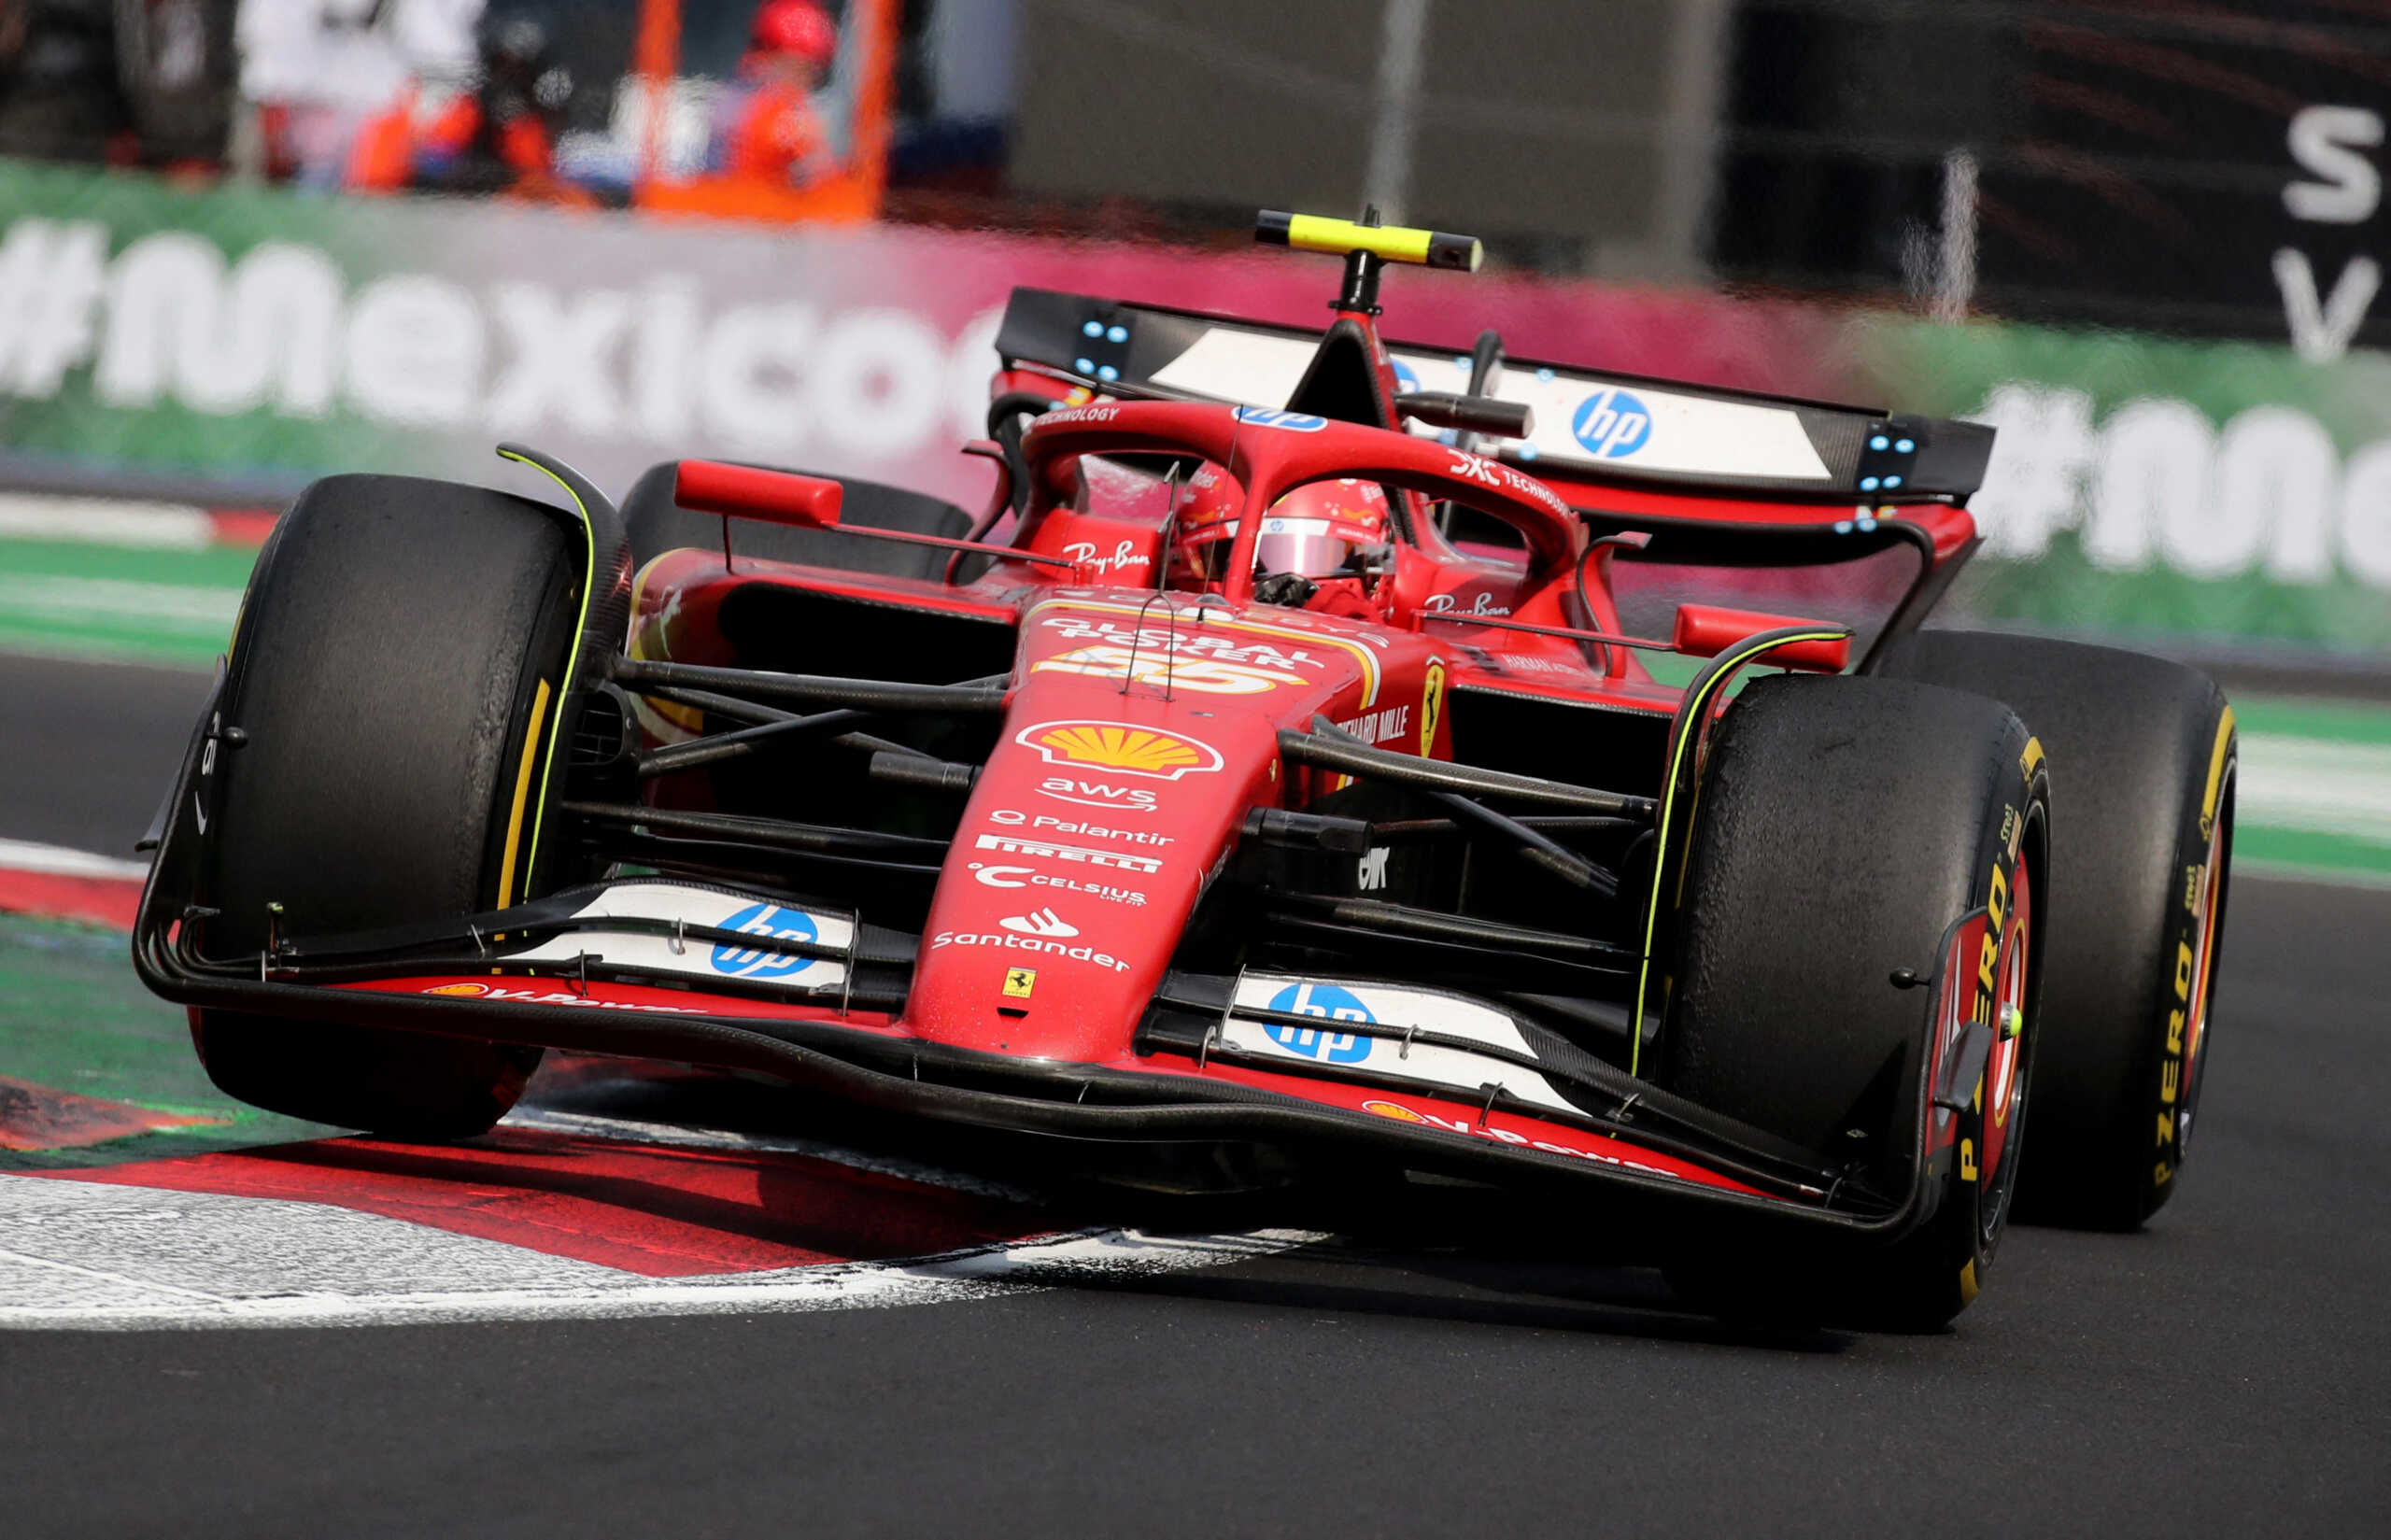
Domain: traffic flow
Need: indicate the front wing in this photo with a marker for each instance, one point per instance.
(818, 1009)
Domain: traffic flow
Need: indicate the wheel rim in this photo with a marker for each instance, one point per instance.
(2001, 1107)
(2210, 921)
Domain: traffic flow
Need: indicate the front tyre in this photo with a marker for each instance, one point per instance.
(1848, 828)
(399, 678)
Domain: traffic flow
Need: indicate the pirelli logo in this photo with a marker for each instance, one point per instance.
(1014, 844)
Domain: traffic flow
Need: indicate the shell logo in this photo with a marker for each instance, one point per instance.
(1120, 748)
(458, 989)
(1391, 1110)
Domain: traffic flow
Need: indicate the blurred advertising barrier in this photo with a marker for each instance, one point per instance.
(2169, 490)
(248, 332)
(2216, 492)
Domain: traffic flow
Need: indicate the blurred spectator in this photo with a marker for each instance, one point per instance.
(59, 95)
(769, 129)
(500, 135)
(319, 72)
(176, 64)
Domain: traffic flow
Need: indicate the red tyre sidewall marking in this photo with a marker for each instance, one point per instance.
(2004, 1088)
(2196, 1030)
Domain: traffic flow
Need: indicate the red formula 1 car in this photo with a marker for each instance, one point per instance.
(1294, 773)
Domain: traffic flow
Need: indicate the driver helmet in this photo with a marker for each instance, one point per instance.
(796, 27)
(1314, 531)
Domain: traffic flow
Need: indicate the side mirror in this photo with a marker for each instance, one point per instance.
(1508, 419)
(775, 496)
(1706, 630)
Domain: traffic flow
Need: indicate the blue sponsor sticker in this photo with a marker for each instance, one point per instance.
(786, 924)
(1612, 424)
(1331, 1004)
(1271, 416)
(1407, 379)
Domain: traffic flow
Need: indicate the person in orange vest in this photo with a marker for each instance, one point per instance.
(770, 131)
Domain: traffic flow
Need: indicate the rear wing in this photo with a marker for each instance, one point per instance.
(1590, 425)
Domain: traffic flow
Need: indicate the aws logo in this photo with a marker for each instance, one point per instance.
(1097, 794)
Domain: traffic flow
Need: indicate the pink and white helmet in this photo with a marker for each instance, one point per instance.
(1312, 531)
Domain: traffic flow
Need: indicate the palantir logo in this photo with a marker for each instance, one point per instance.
(786, 925)
(1330, 1003)
(1612, 424)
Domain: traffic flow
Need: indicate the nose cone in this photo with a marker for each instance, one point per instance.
(1132, 750)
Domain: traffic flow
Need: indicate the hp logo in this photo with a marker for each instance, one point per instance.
(1329, 1003)
(1612, 424)
(786, 924)
(1270, 417)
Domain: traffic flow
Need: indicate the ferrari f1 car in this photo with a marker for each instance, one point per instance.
(1319, 760)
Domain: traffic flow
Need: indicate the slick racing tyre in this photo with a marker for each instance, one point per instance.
(2143, 754)
(658, 523)
(1847, 828)
(398, 677)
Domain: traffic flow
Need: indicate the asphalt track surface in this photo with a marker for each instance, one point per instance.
(2220, 1373)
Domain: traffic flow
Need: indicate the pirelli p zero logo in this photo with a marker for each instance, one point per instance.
(2171, 1063)
(2187, 982)
(1999, 919)
(1986, 988)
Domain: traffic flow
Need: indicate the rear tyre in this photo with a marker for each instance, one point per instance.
(399, 674)
(2144, 752)
(1845, 826)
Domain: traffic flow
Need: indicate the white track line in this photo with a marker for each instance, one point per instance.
(2319, 784)
(180, 608)
(84, 1256)
(105, 521)
(59, 861)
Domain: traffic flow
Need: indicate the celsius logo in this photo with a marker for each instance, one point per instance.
(786, 925)
(1612, 424)
(1044, 922)
(1292, 422)
(1330, 1003)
